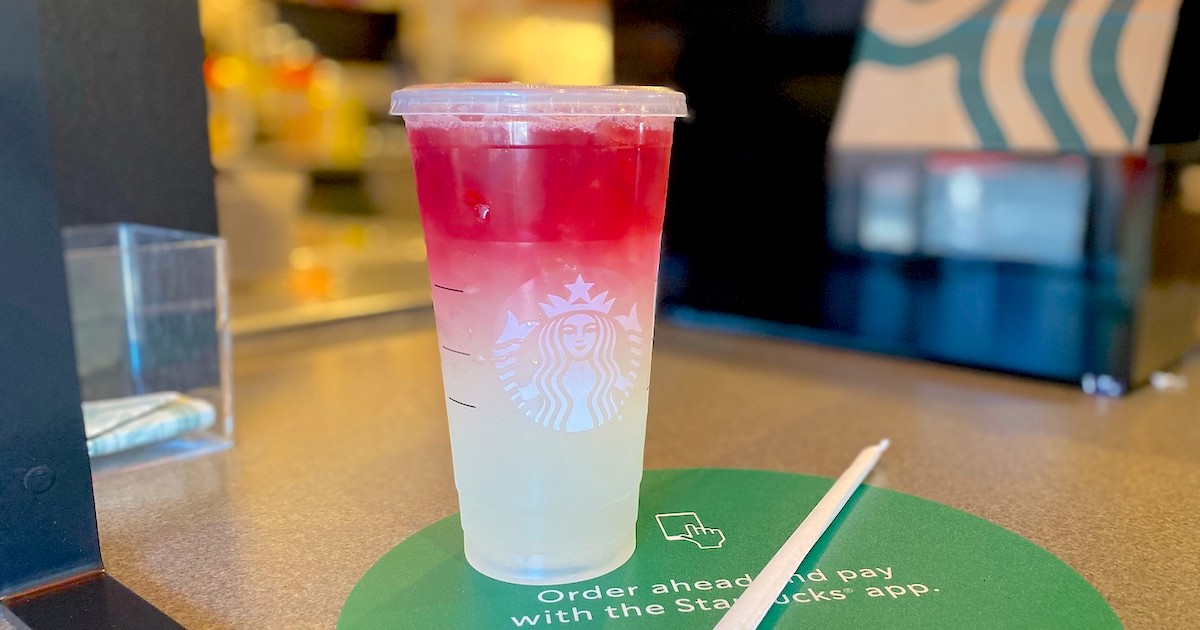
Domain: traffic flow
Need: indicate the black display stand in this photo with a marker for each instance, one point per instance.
(127, 108)
(73, 143)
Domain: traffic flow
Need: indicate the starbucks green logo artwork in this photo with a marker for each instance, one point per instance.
(1053, 75)
(889, 560)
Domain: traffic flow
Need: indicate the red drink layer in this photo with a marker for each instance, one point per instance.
(522, 181)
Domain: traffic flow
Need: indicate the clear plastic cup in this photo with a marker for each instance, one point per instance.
(542, 209)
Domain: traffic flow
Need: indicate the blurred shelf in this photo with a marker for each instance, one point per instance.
(313, 243)
(252, 315)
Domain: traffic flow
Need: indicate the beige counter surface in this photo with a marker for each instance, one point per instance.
(342, 451)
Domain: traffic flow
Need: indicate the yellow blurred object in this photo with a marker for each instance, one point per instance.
(567, 43)
(356, 237)
(341, 117)
(227, 72)
(563, 50)
(316, 284)
(231, 114)
(1189, 188)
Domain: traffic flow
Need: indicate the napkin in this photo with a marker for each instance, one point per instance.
(120, 424)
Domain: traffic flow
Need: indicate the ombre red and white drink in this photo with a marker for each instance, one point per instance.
(542, 209)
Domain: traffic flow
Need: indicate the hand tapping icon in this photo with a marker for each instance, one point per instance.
(687, 526)
(704, 537)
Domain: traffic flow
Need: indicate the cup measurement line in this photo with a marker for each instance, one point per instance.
(448, 288)
(465, 354)
(460, 402)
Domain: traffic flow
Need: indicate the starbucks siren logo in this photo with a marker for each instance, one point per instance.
(573, 368)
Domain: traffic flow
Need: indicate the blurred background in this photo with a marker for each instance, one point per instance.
(1071, 264)
(315, 190)
(1006, 185)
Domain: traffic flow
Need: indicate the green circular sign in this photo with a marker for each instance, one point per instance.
(890, 560)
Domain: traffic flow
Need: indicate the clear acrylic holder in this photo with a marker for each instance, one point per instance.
(150, 313)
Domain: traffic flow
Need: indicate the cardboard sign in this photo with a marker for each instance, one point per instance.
(1007, 75)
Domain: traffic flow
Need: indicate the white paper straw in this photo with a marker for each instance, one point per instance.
(749, 609)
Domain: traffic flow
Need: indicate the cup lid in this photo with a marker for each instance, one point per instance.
(521, 99)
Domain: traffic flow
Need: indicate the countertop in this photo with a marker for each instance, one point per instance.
(343, 451)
